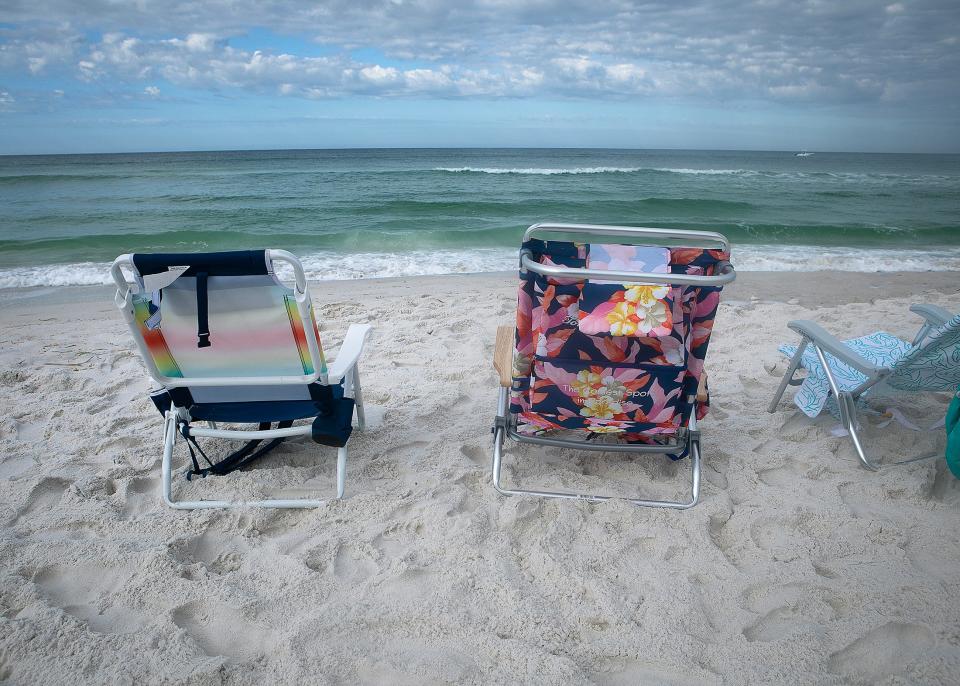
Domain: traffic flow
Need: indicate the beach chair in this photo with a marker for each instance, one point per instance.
(608, 349)
(841, 373)
(229, 343)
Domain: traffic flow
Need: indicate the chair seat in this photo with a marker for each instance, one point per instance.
(322, 403)
(880, 348)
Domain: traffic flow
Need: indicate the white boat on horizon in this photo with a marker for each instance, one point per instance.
(804, 154)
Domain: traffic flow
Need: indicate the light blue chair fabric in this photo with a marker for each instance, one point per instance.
(881, 348)
(870, 366)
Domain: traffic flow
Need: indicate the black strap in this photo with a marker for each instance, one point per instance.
(235, 460)
(203, 325)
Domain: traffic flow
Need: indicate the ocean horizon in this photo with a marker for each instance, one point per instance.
(376, 212)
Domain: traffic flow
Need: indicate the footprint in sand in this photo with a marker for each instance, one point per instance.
(44, 496)
(13, 466)
(352, 566)
(789, 610)
(88, 593)
(885, 652)
(218, 552)
(222, 631)
(475, 454)
(141, 496)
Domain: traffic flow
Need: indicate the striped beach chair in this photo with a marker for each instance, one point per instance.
(608, 349)
(230, 344)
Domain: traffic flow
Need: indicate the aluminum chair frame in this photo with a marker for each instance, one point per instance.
(824, 342)
(688, 438)
(344, 368)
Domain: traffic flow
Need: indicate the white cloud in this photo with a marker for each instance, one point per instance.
(152, 91)
(810, 51)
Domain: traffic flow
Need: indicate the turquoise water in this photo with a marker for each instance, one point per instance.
(356, 213)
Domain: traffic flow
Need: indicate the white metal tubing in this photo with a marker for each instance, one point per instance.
(706, 239)
(169, 438)
(341, 470)
(166, 479)
(116, 271)
(305, 308)
(284, 256)
(358, 398)
(242, 435)
(727, 275)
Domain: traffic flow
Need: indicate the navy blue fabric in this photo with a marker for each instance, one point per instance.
(324, 401)
(231, 263)
(335, 429)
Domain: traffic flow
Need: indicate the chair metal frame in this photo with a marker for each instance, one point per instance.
(823, 342)
(342, 369)
(688, 438)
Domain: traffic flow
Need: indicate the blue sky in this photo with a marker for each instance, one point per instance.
(102, 76)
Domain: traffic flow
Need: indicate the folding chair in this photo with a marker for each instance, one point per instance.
(842, 373)
(608, 349)
(229, 343)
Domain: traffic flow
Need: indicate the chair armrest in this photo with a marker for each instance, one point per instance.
(934, 315)
(503, 355)
(833, 345)
(349, 353)
(702, 395)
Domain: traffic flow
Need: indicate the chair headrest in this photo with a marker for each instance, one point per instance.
(231, 263)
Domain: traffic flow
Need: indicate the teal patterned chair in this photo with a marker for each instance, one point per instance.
(839, 373)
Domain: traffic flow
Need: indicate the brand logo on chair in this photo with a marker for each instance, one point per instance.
(601, 393)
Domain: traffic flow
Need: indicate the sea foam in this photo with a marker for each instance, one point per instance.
(367, 265)
(539, 171)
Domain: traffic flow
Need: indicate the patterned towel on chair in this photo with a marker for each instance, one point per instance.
(880, 348)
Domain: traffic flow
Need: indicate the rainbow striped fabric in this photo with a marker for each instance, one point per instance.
(255, 329)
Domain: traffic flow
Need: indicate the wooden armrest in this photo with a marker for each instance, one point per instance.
(702, 389)
(503, 355)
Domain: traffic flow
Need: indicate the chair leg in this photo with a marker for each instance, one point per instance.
(166, 481)
(498, 440)
(358, 399)
(788, 375)
(848, 411)
(341, 470)
(166, 465)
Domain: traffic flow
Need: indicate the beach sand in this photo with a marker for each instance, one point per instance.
(798, 566)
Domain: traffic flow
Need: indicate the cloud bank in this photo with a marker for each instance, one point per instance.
(813, 51)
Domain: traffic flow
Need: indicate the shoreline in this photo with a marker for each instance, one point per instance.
(810, 289)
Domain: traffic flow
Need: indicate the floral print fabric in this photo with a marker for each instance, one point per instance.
(626, 309)
(608, 357)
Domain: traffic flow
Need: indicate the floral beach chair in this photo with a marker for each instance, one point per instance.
(608, 349)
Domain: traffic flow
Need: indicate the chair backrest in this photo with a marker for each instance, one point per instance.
(634, 350)
(220, 320)
(934, 365)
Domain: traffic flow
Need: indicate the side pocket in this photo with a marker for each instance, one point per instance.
(649, 396)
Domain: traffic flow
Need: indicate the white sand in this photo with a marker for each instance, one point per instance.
(798, 566)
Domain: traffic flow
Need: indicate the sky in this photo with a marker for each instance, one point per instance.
(156, 75)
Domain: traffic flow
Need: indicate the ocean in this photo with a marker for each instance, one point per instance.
(392, 212)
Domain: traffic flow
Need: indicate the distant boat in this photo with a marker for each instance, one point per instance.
(804, 154)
